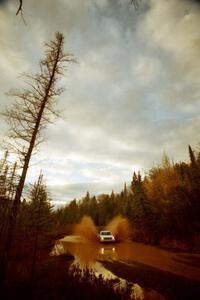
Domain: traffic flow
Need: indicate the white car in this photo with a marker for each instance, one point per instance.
(106, 236)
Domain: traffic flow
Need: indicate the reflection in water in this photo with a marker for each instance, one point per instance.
(104, 250)
(87, 254)
(117, 283)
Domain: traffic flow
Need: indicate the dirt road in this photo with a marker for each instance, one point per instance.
(174, 275)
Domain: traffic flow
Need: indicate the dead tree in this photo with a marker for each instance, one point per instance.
(32, 111)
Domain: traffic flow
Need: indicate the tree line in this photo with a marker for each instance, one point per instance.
(165, 202)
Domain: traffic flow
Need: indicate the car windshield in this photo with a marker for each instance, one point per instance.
(105, 233)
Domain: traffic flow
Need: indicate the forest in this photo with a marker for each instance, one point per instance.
(162, 208)
(163, 204)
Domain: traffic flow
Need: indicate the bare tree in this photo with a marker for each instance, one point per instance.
(32, 111)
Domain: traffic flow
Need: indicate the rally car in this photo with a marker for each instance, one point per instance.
(106, 236)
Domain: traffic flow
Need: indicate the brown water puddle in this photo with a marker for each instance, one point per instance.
(94, 255)
(87, 253)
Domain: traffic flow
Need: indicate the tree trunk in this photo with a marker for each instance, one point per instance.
(16, 203)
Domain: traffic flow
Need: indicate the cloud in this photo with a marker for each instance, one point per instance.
(133, 95)
(173, 26)
(62, 194)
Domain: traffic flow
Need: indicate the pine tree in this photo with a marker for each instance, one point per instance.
(141, 206)
(40, 208)
(194, 179)
(8, 183)
(192, 157)
(40, 223)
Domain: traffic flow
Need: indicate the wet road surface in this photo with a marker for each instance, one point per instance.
(174, 275)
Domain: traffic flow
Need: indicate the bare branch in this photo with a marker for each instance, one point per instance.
(20, 7)
(20, 10)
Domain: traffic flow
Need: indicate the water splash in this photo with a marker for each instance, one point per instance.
(120, 228)
(86, 229)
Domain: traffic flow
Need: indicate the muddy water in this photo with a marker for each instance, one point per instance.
(87, 252)
(90, 254)
(151, 266)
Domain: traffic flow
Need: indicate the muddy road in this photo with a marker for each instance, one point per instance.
(168, 274)
(154, 273)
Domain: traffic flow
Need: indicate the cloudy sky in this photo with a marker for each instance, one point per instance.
(134, 94)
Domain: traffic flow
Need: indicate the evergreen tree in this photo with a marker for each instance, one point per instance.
(40, 208)
(93, 210)
(194, 191)
(142, 208)
(8, 183)
(72, 212)
(192, 157)
(40, 222)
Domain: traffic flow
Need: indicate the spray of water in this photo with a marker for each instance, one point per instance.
(120, 228)
(86, 229)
